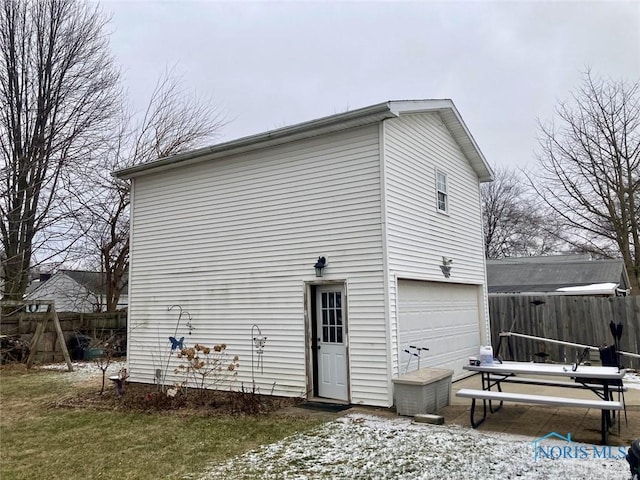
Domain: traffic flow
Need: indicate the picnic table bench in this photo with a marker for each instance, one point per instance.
(554, 401)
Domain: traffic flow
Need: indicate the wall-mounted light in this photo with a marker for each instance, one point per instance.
(446, 266)
(319, 266)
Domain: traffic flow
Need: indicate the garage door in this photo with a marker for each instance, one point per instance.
(443, 317)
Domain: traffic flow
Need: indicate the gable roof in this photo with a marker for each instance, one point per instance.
(568, 274)
(94, 282)
(342, 121)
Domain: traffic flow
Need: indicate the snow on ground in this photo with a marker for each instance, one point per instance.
(366, 447)
(632, 380)
(85, 370)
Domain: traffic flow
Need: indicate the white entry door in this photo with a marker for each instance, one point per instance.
(331, 343)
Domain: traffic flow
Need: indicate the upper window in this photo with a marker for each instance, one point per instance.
(441, 189)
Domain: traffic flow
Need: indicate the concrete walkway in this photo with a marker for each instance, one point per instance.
(536, 421)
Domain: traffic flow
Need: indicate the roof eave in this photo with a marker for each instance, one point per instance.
(333, 123)
(456, 126)
(360, 117)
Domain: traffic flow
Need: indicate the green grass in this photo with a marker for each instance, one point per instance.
(38, 440)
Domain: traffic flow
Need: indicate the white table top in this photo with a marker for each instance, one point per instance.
(552, 369)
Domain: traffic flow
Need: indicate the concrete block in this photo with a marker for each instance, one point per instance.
(427, 418)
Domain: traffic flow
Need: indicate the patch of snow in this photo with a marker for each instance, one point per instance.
(632, 380)
(593, 289)
(368, 447)
(85, 370)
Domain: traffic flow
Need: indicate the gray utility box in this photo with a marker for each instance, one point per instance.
(422, 391)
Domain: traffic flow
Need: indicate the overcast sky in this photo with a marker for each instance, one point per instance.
(272, 64)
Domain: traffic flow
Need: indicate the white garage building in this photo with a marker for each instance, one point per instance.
(389, 195)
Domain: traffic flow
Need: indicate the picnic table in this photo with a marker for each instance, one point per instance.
(602, 381)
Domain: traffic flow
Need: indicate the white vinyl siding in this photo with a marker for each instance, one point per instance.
(416, 147)
(233, 241)
(418, 238)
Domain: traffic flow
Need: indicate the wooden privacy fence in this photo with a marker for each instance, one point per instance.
(578, 319)
(23, 325)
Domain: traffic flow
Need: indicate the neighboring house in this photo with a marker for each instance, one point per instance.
(388, 194)
(557, 275)
(73, 291)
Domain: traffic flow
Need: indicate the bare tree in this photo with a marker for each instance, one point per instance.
(174, 121)
(590, 170)
(514, 226)
(58, 90)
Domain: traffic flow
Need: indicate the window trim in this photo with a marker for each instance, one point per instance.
(445, 192)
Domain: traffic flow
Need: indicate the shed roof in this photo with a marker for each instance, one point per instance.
(556, 274)
(342, 121)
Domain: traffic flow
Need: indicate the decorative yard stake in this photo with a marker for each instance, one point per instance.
(119, 381)
(190, 326)
(177, 344)
(258, 342)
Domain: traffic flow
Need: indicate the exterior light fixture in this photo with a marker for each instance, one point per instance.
(319, 266)
(446, 266)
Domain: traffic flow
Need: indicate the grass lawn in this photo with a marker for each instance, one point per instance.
(40, 440)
